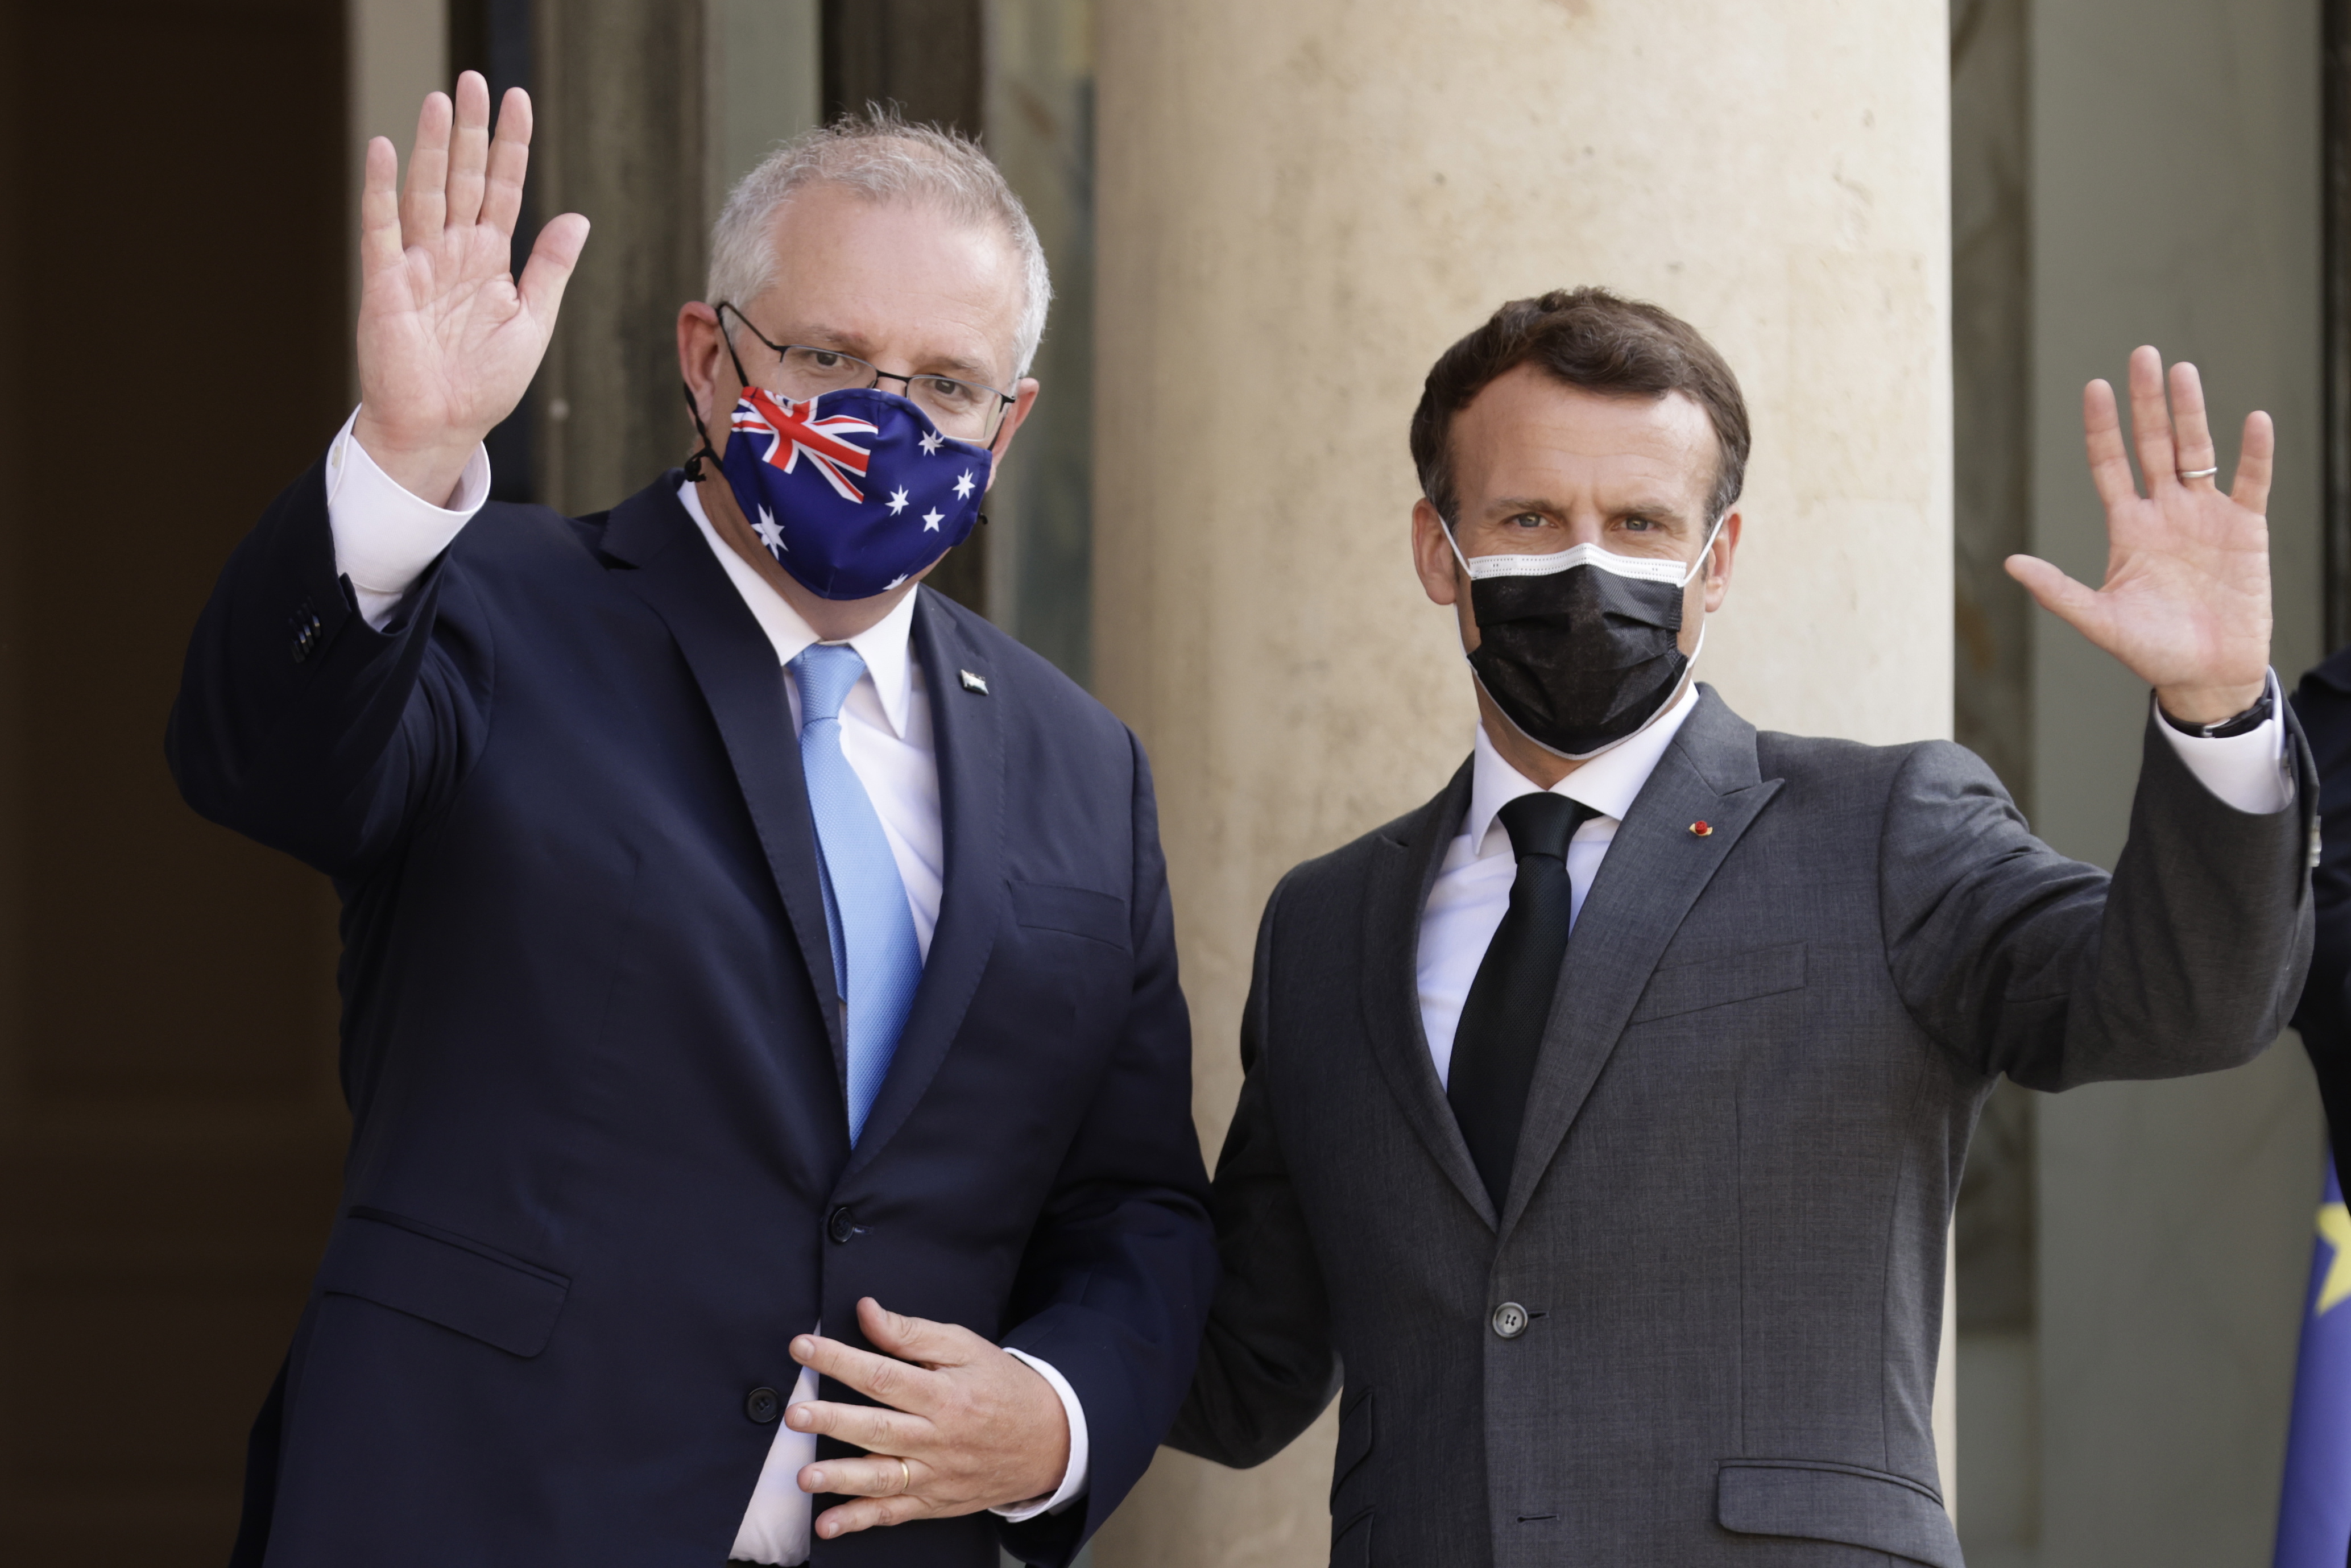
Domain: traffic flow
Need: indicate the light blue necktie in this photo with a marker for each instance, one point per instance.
(875, 960)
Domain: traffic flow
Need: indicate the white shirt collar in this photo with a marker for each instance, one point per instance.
(1608, 783)
(886, 646)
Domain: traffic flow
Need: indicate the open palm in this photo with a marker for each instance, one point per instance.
(448, 338)
(2185, 600)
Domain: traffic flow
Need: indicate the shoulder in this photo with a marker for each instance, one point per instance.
(516, 541)
(1851, 767)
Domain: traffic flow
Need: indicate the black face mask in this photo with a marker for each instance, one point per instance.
(1578, 649)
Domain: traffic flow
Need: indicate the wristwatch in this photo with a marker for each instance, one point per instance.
(2244, 722)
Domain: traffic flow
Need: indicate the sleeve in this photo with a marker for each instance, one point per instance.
(2322, 703)
(301, 725)
(2020, 961)
(1073, 1478)
(385, 537)
(2252, 771)
(1115, 1283)
(1268, 1368)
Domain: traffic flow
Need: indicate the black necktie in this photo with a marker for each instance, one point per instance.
(1502, 1023)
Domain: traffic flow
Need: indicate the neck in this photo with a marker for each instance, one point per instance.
(832, 620)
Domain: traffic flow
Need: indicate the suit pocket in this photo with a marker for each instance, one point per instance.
(1355, 1440)
(1844, 1503)
(445, 1279)
(1078, 911)
(1718, 982)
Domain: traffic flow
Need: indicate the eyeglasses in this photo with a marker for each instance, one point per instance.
(968, 411)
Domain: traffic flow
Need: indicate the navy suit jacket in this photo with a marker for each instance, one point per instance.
(599, 1174)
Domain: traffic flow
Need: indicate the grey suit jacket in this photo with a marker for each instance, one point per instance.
(1725, 1223)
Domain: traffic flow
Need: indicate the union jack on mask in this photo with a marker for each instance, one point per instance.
(852, 492)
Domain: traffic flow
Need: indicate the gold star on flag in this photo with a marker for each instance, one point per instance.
(2335, 1230)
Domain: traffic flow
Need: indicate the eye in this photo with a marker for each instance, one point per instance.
(1638, 526)
(1528, 520)
(950, 392)
(824, 358)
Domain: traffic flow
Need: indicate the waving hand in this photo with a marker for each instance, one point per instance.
(448, 340)
(2185, 600)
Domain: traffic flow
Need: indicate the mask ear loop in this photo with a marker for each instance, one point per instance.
(694, 469)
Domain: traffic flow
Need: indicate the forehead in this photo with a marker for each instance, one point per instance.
(1528, 433)
(901, 279)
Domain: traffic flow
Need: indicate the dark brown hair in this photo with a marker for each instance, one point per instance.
(1591, 338)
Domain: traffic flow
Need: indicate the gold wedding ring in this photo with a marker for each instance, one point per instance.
(906, 1477)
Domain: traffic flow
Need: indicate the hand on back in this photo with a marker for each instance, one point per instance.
(2185, 600)
(448, 338)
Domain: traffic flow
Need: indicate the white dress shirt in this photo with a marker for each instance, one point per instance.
(2249, 771)
(385, 537)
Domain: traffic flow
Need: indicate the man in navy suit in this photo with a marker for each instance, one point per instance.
(724, 956)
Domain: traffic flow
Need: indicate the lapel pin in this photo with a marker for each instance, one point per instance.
(1700, 830)
(972, 683)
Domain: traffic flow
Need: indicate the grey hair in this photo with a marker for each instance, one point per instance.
(882, 158)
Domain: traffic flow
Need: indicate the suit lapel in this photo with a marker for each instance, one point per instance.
(1403, 871)
(735, 665)
(1654, 871)
(967, 729)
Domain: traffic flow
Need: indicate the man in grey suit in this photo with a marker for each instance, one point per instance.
(1631, 1246)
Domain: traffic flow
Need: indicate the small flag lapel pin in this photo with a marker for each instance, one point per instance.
(972, 683)
(1700, 830)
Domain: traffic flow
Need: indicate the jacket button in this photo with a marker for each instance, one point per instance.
(1510, 1320)
(762, 1406)
(841, 1225)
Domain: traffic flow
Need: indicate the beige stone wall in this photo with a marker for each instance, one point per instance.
(1301, 205)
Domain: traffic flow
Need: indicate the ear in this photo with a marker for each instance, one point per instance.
(702, 362)
(1718, 560)
(1432, 556)
(1024, 399)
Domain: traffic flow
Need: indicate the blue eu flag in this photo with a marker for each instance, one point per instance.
(2314, 1515)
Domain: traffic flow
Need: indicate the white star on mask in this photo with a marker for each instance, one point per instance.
(963, 486)
(932, 442)
(932, 519)
(897, 502)
(893, 582)
(769, 535)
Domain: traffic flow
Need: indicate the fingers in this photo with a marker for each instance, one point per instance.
(2102, 434)
(917, 1339)
(2191, 436)
(867, 1513)
(879, 1475)
(469, 153)
(423, 205)
(876, 1428)
(380, 209)
(893, 1382)
(549, 267)
(2151, 420)
(509, 157)
(2255, 457)
(2058, 594)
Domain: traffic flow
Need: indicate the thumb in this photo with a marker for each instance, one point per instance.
(2057, 593)
(918, 1340)
(549, 267)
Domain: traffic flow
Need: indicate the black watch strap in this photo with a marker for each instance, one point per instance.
(2244, 722)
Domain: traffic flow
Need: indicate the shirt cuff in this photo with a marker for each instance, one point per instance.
(2249, 771)
(1073, 1479)
(385, 536)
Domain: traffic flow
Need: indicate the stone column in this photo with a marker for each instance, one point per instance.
(1300, 207)
(620, 135)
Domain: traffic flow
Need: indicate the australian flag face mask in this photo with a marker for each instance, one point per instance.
(852, 492)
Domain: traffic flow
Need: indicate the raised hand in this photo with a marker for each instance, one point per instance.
(2185, 601)
(448, 341)
(962, 1424)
